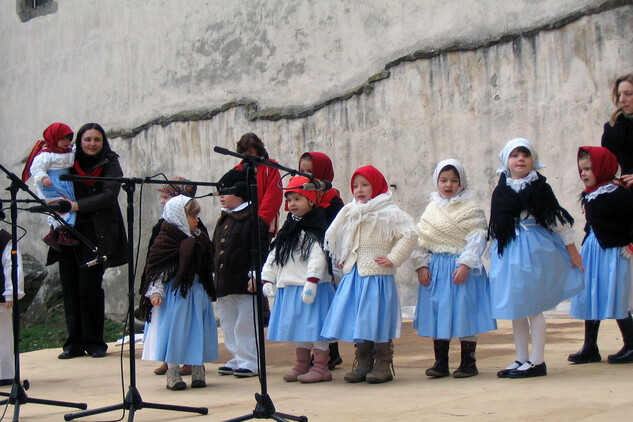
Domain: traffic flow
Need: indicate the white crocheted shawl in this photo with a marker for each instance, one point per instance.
(380, 212)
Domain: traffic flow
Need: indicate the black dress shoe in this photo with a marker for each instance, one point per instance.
(7, 381)
(504, 372)
(68, 355)
(98, 354)
(533, 371)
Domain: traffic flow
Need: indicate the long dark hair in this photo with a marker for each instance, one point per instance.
(84, 159)
(250, 140)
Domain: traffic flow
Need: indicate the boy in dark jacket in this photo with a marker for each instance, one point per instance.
(232, 263)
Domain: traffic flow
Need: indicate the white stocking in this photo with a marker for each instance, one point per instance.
(537, 330)
(521, 330)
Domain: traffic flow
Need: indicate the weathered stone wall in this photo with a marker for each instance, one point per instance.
(395, 85)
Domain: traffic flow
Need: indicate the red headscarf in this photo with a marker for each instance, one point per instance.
(374, 177)
(322, 169)
(52, 135)
(604, 165)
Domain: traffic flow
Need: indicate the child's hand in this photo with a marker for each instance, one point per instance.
(269, 289)
(461, 274)
(156, 300)
(252, 285)
(309, 292)
(576, 259)
(627, 251)
(383, 261)
(424, 276)
(628, 179)
(8, 304)
(46, 181)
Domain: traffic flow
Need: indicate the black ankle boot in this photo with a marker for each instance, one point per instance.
(589, 351)
(440, 368)
(625, 355)
(468, 366)
(335, 356)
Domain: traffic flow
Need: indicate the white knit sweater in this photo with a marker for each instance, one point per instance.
(296, 272)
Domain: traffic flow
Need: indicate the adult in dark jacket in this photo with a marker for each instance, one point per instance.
(618, 131)
(99, 220)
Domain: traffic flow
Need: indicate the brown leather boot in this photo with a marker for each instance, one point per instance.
(301, 366)
(64, 238)
(383, 364)
(320, 371)
(363, 362)
(51, 240)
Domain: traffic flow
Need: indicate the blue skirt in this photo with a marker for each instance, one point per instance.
(364, 308)
(61, 188)
(446, 310)
(293, 320)
(183, 329)
(534, 274)
(607, 283)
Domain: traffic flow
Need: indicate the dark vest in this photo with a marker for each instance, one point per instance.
(5, 238)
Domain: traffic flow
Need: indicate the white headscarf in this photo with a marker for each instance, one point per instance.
(174, 213)
(510, 146)
(463, 182)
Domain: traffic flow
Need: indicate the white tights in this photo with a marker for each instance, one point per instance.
(525, 328)
(321, 345)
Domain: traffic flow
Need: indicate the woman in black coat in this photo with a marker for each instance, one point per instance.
(99, 220)
(618, 131)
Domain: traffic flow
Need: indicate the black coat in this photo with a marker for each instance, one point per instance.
(99, 217)
(619, 140)
(232, 244)
(609, 215)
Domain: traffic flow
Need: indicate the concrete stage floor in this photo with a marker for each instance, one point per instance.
(591, 392)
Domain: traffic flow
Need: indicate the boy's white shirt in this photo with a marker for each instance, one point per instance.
(8, 284)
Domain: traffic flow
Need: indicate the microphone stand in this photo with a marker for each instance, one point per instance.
(18, 395)
(264, 409)
(133, 400)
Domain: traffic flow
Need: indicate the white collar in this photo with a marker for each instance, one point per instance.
(240, 207)
(608, 188)
(518, 185)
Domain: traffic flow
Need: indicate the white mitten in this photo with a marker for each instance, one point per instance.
(627, 251)
(309, 292)
(269, 289)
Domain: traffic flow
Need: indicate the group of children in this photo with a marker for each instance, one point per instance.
(534, 265)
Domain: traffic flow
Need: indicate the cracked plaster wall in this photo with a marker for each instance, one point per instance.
(396, 85)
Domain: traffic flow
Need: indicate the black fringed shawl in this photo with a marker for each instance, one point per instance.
(174, 255)
(313, 224)
(537, 198)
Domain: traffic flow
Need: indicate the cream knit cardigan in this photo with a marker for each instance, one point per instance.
(360, 233)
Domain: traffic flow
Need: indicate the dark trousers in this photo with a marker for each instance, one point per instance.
(84, 301)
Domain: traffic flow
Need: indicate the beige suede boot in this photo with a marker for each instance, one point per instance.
(301, 366)
(320, 371)
(174, 380)
(383, 365)
(363, 362)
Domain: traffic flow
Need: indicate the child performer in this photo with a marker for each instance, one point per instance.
(320, 165)
(7, 368)
(49, 159)
(370, 237)
(534, 262)
(609, 232)
(166, 192)
(297, 273)
(232, 263)
(180, 285)
(453, 297)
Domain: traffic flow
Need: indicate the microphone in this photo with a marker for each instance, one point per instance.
(61, 206)
(97, 260)
(322, 185)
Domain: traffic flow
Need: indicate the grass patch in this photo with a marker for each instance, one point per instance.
(51, 333)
